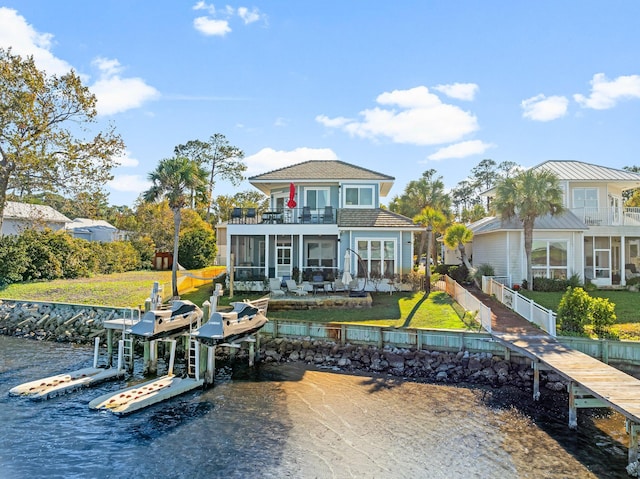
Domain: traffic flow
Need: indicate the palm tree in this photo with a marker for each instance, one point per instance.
(174, 179)
(457, 236)
(527, 196)
(429, 218)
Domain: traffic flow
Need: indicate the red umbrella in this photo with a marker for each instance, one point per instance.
(292, 194)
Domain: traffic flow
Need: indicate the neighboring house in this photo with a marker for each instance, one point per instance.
(319, 210)
(18, 217)
(94, 230)
(597, 237)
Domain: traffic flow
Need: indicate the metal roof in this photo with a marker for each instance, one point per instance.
(565, 221)
(15, 210)
(320, 170)
(580, 171)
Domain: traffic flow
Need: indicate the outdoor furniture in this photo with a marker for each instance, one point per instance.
(236, 214)
(275, 287)
(338, 286)
(295, 289)
(327, 217)
(251, 214)
(306, 215)
(272, 217)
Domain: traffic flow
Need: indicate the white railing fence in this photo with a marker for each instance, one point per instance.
(468, 301)
(525, 307)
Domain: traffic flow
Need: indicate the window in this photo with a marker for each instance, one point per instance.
(321, 254)
(358, 196)
(585, 197)
(378, 258)
(317, 199)
(549, 259)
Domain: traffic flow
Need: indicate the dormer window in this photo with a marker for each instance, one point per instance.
(358, 196)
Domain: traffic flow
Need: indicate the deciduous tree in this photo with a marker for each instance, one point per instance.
(43, 120)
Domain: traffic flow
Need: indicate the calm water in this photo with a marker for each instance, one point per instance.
(290, 422)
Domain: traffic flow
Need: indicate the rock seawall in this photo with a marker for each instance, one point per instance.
(437, 366)
(80, 324)
(54, 322)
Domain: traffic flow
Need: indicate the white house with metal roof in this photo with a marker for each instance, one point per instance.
(321, 214)
(18, 217)
(94, 230)
(597, 237)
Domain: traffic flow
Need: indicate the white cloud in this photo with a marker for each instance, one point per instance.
(606, 93)
(542, 108)
(211, 26)
(421, 119)
(24, 40)
(216, 23)
(205, 6)
(249, 16)
(461, 150)
(116, 94)
(269, 159)
(126, 160)
(129, 183)
(460, 91)
(332, 122)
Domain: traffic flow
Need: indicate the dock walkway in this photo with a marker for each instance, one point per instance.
(592, 382)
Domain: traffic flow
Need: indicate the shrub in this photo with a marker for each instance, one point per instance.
(603, 315)
(577, 309)
(13, 260)
(483, 270)
(459, 273)
(197, 248)
(574, 310)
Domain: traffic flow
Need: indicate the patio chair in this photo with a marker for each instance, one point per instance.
(306, 215)
(327, 217)
(251, 215)
(338, 286)
(295, 289)
(236, 215)
(275, 287)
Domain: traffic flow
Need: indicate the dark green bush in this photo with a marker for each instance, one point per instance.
(483, 270)
(459, 273)
(197, 248)
(552, 284)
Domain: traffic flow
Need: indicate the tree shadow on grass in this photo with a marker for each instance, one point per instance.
(413, 311)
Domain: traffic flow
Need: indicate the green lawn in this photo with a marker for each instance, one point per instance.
(627, 308)
(131, 290)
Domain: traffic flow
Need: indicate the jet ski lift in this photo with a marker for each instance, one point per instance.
(64, 383)
(151, 392)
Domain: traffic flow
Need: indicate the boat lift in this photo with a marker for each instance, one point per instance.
(64, 383)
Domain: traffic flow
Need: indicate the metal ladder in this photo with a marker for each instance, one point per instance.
(194, 357)
(127, 354)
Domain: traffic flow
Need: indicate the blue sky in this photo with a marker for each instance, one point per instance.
(397, 87)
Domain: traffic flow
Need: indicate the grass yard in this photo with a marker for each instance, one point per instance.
(120, 289)
(131, 289)
(627, 308)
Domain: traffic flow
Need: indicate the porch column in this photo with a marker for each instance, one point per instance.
(300, 254)
(623, 261)
(266, 255)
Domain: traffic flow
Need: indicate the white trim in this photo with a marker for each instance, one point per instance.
(346, 186)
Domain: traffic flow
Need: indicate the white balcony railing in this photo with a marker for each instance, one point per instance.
(608, 216)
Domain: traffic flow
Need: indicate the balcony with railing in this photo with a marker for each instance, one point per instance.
(285, 216)
(608, 216)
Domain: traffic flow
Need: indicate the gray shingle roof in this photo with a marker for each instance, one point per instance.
(565, 221)
(15, 210)
(373, 218)
(321, 170)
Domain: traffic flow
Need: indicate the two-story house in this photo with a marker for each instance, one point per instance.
(597, 237)
(322, 214)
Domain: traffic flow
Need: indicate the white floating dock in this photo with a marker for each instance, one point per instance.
(143, 395)
(65, 383)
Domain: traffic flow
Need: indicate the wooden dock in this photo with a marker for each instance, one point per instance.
(592, 383)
